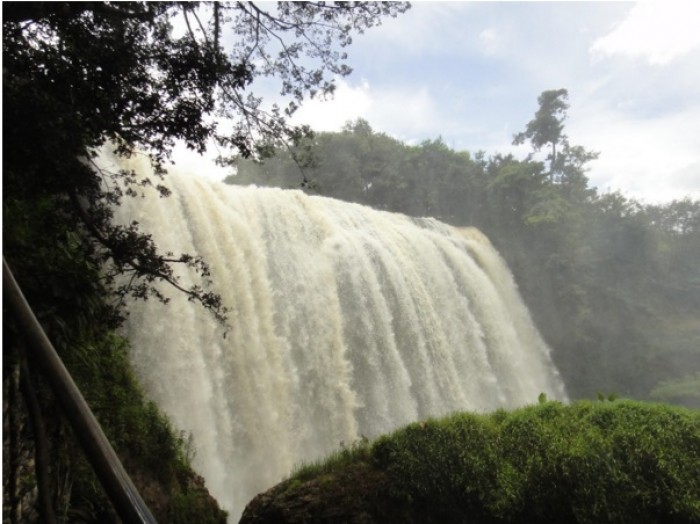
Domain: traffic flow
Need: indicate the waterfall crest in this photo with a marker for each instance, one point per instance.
(345, 322)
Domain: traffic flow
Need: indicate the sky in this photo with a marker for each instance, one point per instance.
(470, 73)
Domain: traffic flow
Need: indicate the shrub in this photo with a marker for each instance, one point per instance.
(617, 461)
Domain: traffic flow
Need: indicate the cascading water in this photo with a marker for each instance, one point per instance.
(345, 322)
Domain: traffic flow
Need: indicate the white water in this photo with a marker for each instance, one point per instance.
(345, 322)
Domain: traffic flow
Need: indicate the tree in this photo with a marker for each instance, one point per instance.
(547, 126)
(680, 217)
(567, 163)
(78, 75)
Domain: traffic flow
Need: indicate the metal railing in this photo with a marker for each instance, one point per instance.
(109, 470)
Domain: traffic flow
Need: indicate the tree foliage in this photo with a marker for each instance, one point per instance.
(145, 76)
(547, 126)
(616, 461)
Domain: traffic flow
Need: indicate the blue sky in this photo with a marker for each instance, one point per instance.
(470, 72)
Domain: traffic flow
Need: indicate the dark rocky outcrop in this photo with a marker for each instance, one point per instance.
(355, 495)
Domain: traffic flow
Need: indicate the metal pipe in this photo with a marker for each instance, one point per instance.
(116, 482)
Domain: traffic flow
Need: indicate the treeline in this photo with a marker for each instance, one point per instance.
(613, 284)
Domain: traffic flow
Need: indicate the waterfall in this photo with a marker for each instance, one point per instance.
(345, 322)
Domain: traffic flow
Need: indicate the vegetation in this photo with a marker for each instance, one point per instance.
(70, 300)
(79, 75)
(613, 284)
(618, 461)
(142, 76)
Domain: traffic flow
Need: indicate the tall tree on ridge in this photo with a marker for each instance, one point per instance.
(547, 126)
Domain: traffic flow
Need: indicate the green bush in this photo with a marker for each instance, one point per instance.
(588, 462)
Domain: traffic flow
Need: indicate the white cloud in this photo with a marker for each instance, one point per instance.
(347, 103)
(402, 112)
(653, 159)
(427, 27)
(489, 41)
(413, 112)
(659, 32)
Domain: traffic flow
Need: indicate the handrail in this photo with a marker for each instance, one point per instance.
(116, 482)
